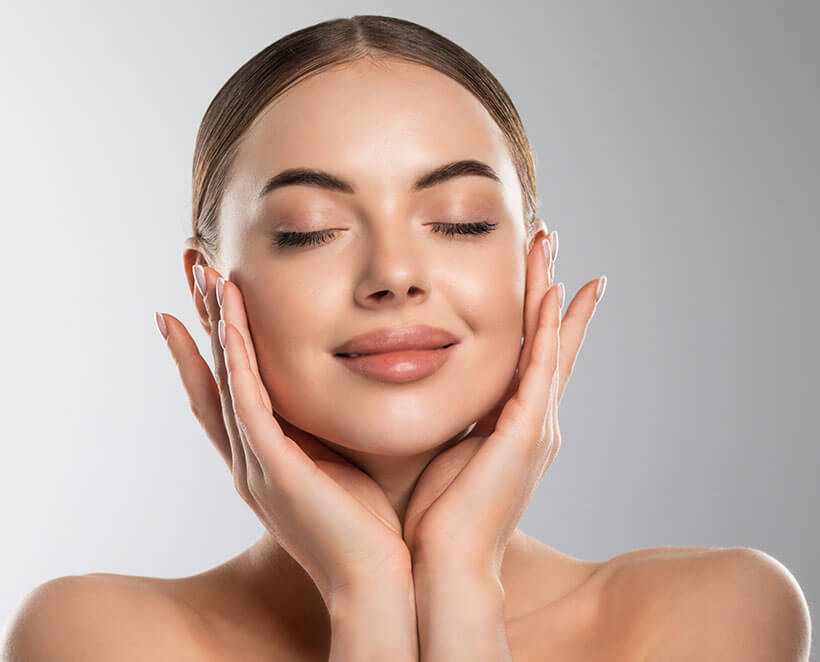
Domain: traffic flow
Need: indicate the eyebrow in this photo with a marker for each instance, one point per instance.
(325, 180)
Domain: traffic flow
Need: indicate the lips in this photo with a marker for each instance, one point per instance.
(398, 367)
(387, 340)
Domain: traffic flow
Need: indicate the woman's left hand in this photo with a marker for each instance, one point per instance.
(467, 502)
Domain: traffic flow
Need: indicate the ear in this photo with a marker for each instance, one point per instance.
(195, 253)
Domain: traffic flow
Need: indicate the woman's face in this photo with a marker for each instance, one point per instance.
(379, 126)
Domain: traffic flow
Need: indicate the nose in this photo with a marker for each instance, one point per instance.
(396, 273)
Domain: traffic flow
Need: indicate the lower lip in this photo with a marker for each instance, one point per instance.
(399, 367)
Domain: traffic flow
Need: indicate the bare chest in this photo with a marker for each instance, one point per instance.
(574, 630)
(601, 620)
(543, 637)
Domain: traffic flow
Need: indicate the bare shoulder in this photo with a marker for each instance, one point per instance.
(100, 616)
(678, 603)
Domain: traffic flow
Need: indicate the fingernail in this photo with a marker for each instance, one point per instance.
(545, 244)
(561, 294)
(220, 284)
(554, 243)
(160, 320)
(599, 292)
(222, 340)
(199, 277)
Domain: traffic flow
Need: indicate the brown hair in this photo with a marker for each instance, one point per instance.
(312, 49)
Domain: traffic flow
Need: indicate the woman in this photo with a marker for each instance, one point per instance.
(389, 359)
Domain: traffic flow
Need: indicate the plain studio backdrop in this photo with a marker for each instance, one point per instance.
(677, 152)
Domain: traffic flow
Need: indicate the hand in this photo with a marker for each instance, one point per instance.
(330, 516)
(469, 499)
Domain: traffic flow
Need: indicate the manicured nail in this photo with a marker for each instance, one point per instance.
(222, 340)
(545, 244)
(220, 283)
(199, 277)
(160, 320)
(554, 243)
(599, 292)
(561, 294)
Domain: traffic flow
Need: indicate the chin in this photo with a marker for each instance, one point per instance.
(374, 417)
(391, 434)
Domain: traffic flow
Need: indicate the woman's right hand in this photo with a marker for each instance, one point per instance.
(330, 516)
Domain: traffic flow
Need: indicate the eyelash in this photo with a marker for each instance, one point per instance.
(284, 239)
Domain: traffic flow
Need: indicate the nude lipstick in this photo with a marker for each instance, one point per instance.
(397, 355)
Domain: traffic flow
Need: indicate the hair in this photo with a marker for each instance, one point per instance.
(315, 48)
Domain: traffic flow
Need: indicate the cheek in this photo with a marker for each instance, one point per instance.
(491, 303)
(295, 320)
(291, 327)
(490, 299)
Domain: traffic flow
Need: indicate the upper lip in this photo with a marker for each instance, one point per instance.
(379, 341)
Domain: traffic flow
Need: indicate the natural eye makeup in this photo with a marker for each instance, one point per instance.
(476, 228)
(286, 239)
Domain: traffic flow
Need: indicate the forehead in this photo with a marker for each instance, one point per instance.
(376, 124)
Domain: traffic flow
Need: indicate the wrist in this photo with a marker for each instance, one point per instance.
(376, 592)
(433, 568)
(454, 584)
(376, 621)
(481, 564)
(460, 616)
(353, 586)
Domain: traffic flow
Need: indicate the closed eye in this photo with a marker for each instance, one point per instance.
(450, 229)
(284, 239)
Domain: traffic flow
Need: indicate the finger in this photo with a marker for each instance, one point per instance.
(573, 330)
(238, 467)
(534, 396)
(506, 468)
(280, 459)
(253, 469)
(536, 287)
(554, 248)
(233, 311)
(554, 428)
(551, 269)
(202, 390)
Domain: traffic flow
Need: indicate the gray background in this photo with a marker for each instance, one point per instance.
(677, 152)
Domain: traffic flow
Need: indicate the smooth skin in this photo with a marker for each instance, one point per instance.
(415, 490)
(346, 547)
